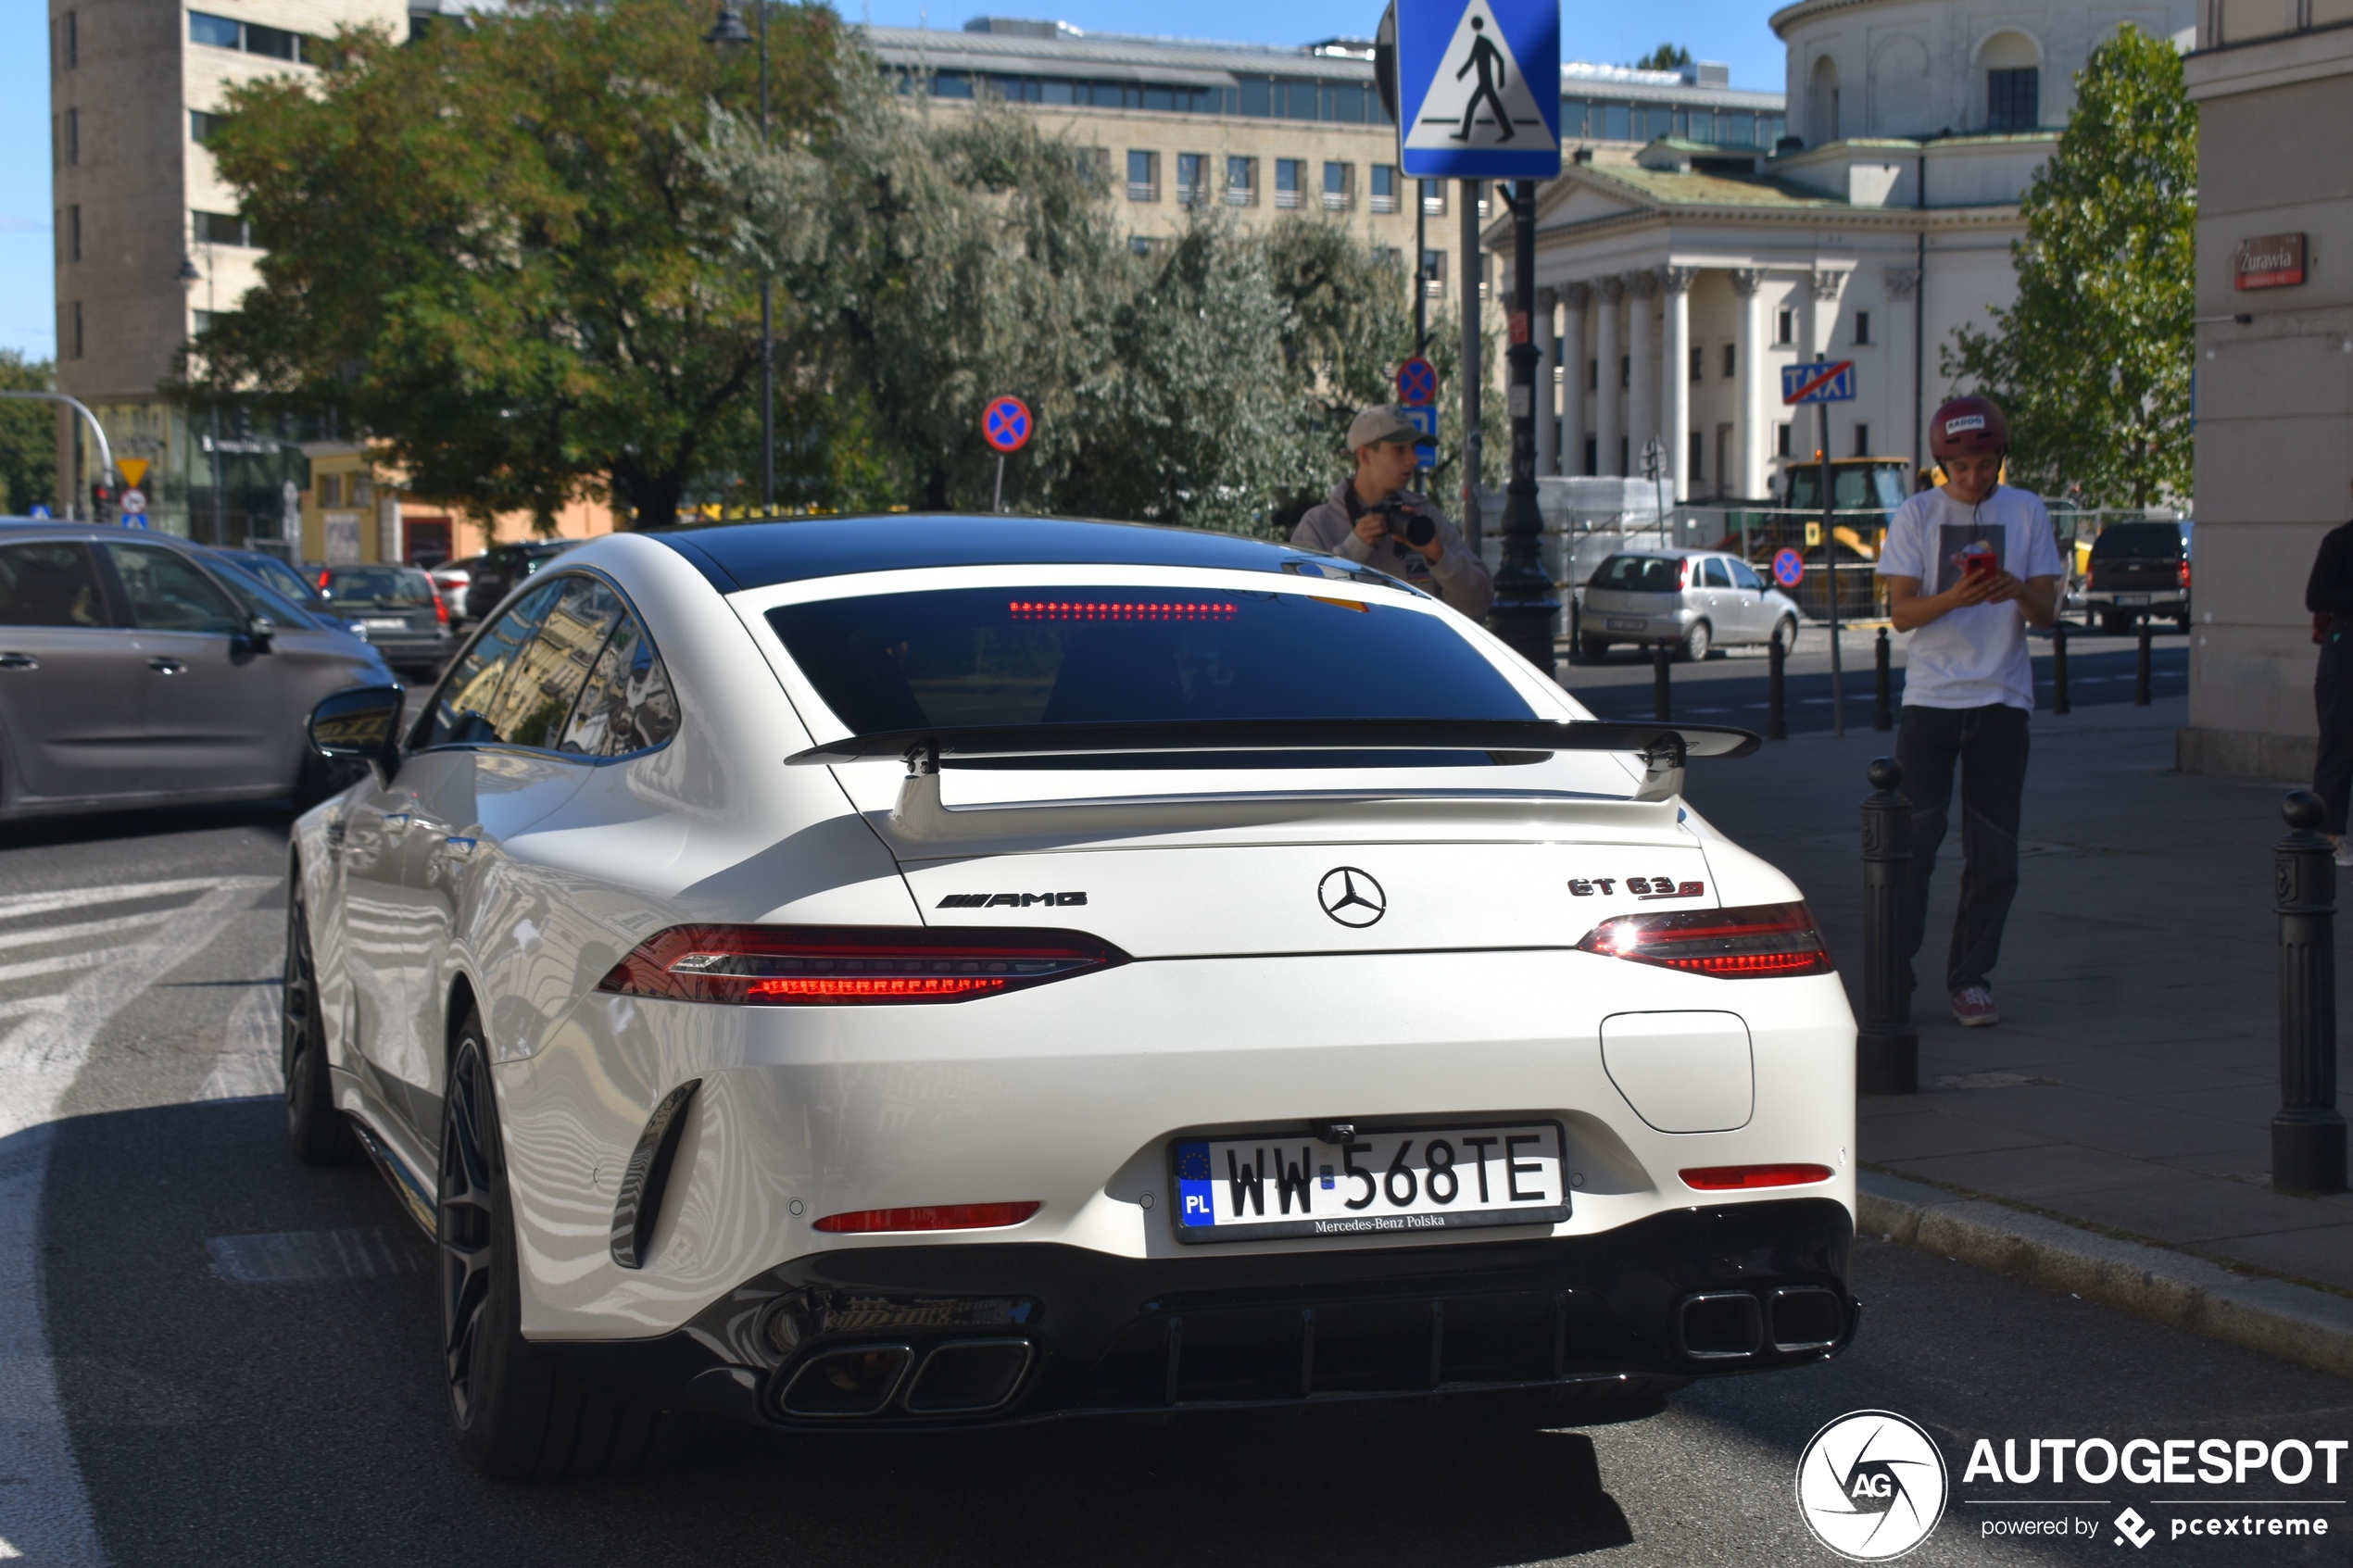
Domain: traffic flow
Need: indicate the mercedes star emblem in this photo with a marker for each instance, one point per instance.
(1351, 897)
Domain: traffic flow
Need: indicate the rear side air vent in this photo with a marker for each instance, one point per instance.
(647, 1174)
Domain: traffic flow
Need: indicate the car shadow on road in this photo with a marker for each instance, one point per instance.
(224, 1407)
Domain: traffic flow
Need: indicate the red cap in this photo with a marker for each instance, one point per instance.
(1968, 427)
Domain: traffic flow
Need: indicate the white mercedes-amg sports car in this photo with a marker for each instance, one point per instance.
(911, 971)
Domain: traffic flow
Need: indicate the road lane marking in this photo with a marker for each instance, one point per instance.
(41, 936)
(44, 1510)
(64, 963)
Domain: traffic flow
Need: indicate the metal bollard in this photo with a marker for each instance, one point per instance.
(2141, 668)
(1662, 696)
(1777, 708)
(1882, 685)
(2058, 668)
(2308, 1134)
(1887, 1049)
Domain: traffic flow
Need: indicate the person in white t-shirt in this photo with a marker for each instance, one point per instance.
(1969, 566)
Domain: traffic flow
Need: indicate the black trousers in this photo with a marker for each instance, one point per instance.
(1988, 744)
(2333, 696)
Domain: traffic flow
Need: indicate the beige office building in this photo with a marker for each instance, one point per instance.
(2274, 82)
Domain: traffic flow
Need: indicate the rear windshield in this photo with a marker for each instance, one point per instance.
(2161, 541)
(1640, 575)
(378, 587)
(276, 574)
(1853, 488)
(1090, 656)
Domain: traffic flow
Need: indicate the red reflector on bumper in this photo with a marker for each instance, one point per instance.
(1741, 1178)
(938, 1217)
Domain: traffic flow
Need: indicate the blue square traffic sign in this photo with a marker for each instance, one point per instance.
(1830, 380)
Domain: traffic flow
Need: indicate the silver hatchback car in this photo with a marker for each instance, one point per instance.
(133, 673)
(1692, 599)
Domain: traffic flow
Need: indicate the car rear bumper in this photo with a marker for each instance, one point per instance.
(2135, 598)
(925, 1336)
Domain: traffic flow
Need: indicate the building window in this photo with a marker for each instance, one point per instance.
(1862, 326)
(221, 32)
(1242, 182)
(1434, 197)
(1141, 245)
(1780, 441)
(1289, 175)
(331, 489)
(73, 39)
(1485, 266)
(1617, 123)
(1593, 375)
(221, 229)
(74, 233)
(1434, 274)
(1389, 255)
(1625, 370)
(1143, 176)
(252, 38)
(1188, 186)
(1699, 450)
(1785, 327)
(1731, 363)
(1340, 186)
(204, 126)
(76, 333)
(2013, 99)
(1384, 187)
(1592, 450)
(1699, 363)
(1862, 441)
(73, 137)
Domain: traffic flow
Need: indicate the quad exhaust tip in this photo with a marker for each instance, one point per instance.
(961, 1377)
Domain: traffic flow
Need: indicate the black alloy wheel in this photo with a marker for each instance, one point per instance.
(519, 1413)
(315, 1130)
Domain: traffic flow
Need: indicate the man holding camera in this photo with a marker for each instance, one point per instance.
(1374, 520)
(1969, 566)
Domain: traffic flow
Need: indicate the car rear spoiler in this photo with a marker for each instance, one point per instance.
(929, 749)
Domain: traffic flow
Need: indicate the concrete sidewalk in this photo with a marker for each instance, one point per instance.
(2129, 1088)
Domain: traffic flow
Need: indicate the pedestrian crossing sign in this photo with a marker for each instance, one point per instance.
(1480, 86)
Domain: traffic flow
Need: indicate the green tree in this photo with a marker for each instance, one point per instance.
(498, 248)
(1666, 56)
(28, 434)
(2092, 364)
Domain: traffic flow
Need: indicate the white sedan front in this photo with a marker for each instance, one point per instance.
(919, 971)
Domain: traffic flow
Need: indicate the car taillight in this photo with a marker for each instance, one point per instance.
(324, 578)
(850, 966)
(2185, 574)
(1683, 576)
(1756, 942)
(932, 1217)
(1741, 1178)
(440, 608)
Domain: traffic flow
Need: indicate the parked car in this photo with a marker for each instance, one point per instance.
(138, 670)
(504, 566)
(395, 608)
(1694, 599)
(2139, 569)
(896, 972)
(451, 580)
(263, 567)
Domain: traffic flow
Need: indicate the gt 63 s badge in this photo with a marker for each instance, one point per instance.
(1872, 1485)
(1640, 887)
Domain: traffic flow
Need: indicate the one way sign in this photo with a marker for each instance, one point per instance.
(1480, 81)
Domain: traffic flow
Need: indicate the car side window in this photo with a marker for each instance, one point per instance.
(168, 595)
(552, 668)
(1712, 572)
(627, 705)
(1742, 577)
(461, 708)
(50, 583)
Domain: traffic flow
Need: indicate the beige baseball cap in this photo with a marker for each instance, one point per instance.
(1387, 423)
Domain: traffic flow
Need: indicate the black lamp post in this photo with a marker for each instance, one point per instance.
(1525, 599)
(729, 33)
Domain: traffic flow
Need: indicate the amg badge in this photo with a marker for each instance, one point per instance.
(1008, 901)
(1644, 887)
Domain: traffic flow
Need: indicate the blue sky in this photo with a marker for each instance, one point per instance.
(1731, 30)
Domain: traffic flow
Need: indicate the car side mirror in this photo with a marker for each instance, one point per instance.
(361, 723)
(259, 632)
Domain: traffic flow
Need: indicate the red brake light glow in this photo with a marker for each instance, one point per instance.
(2185, 574)
(938, 1217)
(849, 966)
(1756, 942)
(1137, 611)
(1741, 1178)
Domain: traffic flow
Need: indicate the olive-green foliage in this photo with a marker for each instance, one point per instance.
(28, 434)
(2092, 363)
(1666, 56)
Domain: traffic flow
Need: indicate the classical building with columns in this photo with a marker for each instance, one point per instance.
(1674, 283)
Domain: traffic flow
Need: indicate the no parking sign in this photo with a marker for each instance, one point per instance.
(1788, 568)
(1005, 425)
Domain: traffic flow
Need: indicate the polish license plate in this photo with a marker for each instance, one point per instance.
(395, 624)
(1399, 1181)
(1614, 624)
(2131, 598)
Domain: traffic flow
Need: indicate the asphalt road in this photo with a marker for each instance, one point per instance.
(176, 1391)
(1731, 688)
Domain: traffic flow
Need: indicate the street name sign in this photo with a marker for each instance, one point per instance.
(1479, 81)
(1830, 380)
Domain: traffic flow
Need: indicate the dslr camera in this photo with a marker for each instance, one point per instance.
(1406, 523)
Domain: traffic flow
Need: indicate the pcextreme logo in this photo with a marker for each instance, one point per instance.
(1872, 1485)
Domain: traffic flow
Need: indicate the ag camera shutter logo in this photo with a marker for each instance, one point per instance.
(1872, 1485)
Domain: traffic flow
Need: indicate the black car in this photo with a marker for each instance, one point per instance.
(497, 572)
(2139, 569)
(395, 608)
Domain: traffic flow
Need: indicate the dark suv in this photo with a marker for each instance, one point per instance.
(497, 572)
(2139, 569)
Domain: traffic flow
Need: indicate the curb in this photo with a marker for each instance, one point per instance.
(2310, 1327)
